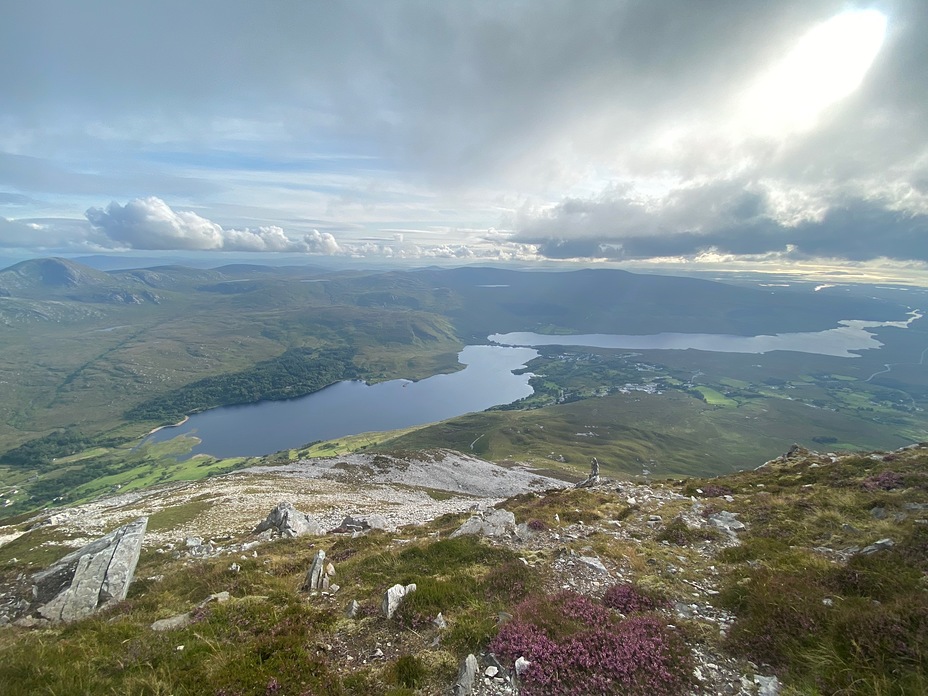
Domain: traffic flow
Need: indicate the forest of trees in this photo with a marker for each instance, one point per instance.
(297, 372)
(42, 451)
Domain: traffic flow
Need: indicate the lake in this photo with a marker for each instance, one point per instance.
(352, 407)
(850, 335)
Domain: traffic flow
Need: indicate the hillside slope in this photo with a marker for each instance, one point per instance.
(804, 576)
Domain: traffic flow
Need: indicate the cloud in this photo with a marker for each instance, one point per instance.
(729, 219)
(321, 243)
(48, 234)
(621, 122)
(150, 223)
(17, 234)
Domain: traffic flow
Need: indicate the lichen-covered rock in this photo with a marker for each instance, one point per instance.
(173, 623)
(727, 522)
(92, 577)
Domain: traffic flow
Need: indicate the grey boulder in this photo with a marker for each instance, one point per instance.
(494, 523)
(287, 521)
(92, 577)
(362, 523)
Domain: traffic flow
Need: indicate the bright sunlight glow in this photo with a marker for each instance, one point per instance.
(827, 64)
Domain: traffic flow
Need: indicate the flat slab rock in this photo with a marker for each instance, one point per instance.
(92, 577)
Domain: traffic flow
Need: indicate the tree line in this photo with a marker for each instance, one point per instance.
(297, 372)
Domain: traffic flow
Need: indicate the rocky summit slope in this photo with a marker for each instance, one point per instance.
(438, 573)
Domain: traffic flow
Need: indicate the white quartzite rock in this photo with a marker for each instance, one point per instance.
(594, 563)
(727, 521)
(394, 596)
(493, 523)
(287, 521)
(464, 686)
(91, 577)
(316, 577)
(767, 686)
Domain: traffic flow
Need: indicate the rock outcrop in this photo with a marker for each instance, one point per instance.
(92, 577)
(317, 577)
(494, 523)
(728, 522)
(394, 596)
(467, 675)
(286, 521)
(362, 523)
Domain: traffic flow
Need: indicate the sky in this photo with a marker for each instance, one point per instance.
(749, 133)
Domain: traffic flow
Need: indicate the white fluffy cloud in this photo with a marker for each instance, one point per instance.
(150, 223)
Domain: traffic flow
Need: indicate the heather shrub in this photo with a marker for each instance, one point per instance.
(578, 647)
(884, 638)
(510, 581)
(885, 481)
(678, 533)
(779, 615)
(537, 525)
(629, 598)
(880, 576)
(753, 548)
(638, 657)
(912, 549)
(675, 532)
(715, 491)
(519, 638)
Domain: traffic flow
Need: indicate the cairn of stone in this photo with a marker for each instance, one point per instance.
(593, 478)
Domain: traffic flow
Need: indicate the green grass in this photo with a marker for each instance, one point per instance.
(715, 398)
(352, 443)
(670, 434)
(172, 517)
(86, 454)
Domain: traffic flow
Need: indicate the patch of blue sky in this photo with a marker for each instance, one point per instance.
(226, 160)
(356, 193)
